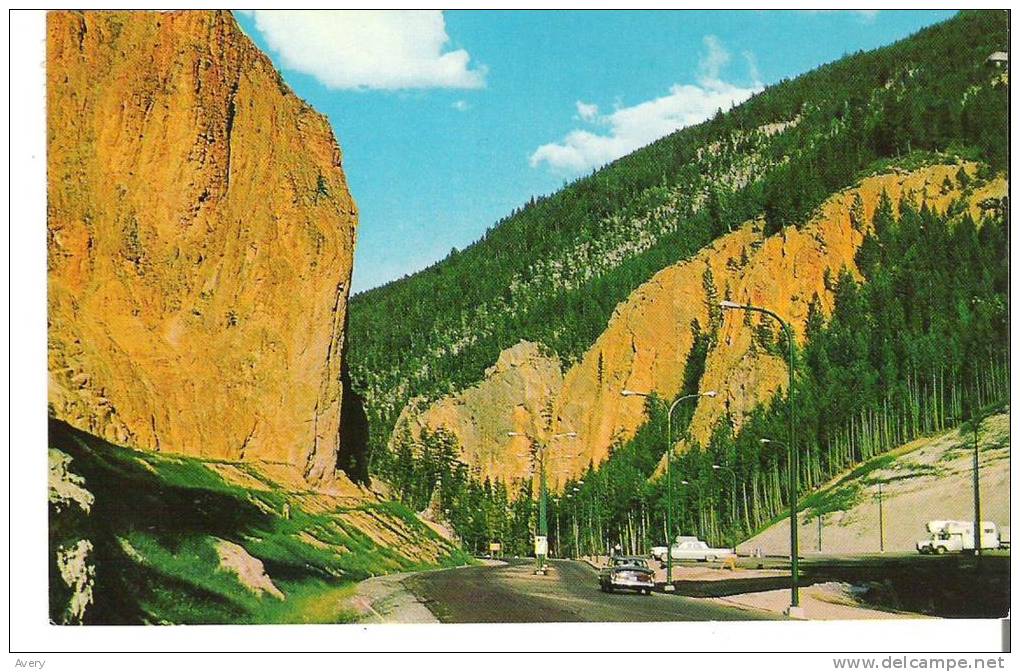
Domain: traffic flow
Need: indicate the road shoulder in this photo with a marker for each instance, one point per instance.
(385, 599)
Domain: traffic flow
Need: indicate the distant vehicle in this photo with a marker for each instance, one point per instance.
(659, 553)
(627, 573)
(692, 548)
(953, 536)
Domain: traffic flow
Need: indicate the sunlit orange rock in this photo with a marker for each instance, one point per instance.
(200, 237)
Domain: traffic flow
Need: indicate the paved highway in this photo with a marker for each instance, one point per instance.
(511, 593)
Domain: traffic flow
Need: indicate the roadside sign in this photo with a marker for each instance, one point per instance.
(541, 546)
(495, 547)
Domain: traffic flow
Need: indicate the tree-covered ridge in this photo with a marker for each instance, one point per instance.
(917, 345)
(553, 271)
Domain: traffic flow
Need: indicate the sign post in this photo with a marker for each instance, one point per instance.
(541, 551)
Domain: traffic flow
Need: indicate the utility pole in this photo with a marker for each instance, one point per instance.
(976, 421)
(820, 531)
(542, 536)
(881, 522)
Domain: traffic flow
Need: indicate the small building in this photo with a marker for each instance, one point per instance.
(998, 59)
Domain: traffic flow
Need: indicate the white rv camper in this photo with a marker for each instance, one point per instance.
(957, 535)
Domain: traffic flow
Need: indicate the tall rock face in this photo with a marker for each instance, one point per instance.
(200, 238)
(649, 338)
(499, 422)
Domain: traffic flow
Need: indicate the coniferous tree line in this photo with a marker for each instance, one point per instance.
(912, 350)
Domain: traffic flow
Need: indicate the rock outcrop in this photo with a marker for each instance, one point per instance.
(200, 238)
(516, 396)
(648, 340)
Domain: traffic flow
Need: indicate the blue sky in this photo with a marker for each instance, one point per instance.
(448, 121)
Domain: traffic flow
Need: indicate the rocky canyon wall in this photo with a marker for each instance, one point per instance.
(200, 237)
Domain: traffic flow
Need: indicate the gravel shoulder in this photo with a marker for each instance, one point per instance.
(385, 599)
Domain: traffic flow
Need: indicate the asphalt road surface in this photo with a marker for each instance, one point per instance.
(570, 592)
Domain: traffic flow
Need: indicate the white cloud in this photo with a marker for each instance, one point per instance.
(629, 128)
(369, 49)
(712, 63)
(587, 111)
(752, 67)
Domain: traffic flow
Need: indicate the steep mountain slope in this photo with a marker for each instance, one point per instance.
(649, 339)
(554, 272)
(200, 236)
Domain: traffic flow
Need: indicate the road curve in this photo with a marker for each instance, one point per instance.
(511, 593)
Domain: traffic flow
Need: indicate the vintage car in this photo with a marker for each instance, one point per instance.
(627, 573)
(692, 548)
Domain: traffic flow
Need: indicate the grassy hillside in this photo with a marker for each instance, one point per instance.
(138, 537)
(553, 271)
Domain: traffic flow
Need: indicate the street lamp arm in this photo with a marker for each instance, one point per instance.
(758, 309)
(696, 485)
(676, 403)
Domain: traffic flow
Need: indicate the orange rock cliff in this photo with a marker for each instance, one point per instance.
(648, 339)
(200, 238)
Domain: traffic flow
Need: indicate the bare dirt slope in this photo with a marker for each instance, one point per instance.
(924, 480)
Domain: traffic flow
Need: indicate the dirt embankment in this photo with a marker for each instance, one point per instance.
(927, 479)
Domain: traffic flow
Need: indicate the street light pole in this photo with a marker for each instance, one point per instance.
(794, 609)
(543, 532)
(977, 487)
(671, 533)
(793, 559)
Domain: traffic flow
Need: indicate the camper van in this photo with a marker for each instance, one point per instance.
(947, 536)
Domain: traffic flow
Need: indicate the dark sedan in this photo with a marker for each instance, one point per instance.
(627, 573)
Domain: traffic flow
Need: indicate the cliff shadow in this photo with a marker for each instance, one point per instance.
(150, 525)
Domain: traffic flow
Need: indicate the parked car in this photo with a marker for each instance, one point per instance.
(692, 548)
(627, 573)
(659, 553)
(956, 535)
